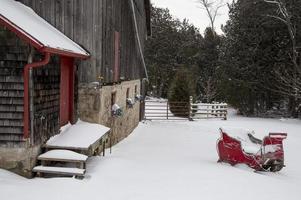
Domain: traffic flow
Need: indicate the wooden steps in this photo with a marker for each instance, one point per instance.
(74, 164)
(83, 137)
(66, 171)
(63, 156)
(66, 154)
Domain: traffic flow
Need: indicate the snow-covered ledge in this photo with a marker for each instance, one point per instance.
(80, 136)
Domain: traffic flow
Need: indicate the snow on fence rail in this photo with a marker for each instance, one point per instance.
(206, 111)
(158, 109)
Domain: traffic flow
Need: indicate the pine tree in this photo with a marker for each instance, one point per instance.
(173, 45)
(182, 87)
(251, 47)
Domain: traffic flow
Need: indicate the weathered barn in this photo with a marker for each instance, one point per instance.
(112, 31)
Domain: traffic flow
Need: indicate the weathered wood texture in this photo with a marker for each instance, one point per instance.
(92, 23)
(13, 57)
(46, 101)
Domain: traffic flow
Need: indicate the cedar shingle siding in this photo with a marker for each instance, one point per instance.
(13, 57)
(46, 101)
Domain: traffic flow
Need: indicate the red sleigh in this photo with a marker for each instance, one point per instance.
(261, 155)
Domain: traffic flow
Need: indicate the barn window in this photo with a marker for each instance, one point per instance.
(127, 93)
(135, 89)
(113, 98)
(127, 99)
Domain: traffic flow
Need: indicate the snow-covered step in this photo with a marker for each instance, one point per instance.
(82, 137)
(59, 170)
(63, 156)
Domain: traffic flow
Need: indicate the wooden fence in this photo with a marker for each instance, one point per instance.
(165, 110)
(161, 110)
(207, 111)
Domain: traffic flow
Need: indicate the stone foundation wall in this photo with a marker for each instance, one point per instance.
(95, 106)
(19, 160)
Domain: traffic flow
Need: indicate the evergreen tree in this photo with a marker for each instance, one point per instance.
(182, 87)
(173, 45)
(252, 45)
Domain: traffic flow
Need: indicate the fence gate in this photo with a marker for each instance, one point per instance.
(165, 110)
(160, 110)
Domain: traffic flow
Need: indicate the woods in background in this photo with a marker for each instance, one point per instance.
(255, 66)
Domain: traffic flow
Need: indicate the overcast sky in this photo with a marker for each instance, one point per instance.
(191, 10)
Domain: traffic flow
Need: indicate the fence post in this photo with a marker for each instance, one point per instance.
(167, 107)
(190, 108)
(226, 111)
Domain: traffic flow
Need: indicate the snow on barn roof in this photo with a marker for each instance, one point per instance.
(25, 22)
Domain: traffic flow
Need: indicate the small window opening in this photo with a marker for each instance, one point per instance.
(136, 89)
(127, 93)
(113, 98)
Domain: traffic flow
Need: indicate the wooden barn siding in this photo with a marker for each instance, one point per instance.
(92, 24)
(13, 57)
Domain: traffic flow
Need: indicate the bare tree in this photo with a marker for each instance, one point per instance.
(210, 90)
(212, 7)
(290, 82)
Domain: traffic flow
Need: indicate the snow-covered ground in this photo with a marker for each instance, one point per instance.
(172, 161)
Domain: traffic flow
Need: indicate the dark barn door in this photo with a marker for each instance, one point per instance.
(66, 90)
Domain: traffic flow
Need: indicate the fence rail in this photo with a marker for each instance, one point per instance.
(161, 110)
(165, 110)
(206, 111)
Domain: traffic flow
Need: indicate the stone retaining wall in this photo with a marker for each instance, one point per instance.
(95, 106)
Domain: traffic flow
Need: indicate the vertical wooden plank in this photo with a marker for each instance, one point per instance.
(68, 18)
(117, 57)
(103, 41)
(59, 14)
(98, 37)
(78, 36)
(92, 24)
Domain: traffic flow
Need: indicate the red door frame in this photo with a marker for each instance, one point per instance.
(67, 90)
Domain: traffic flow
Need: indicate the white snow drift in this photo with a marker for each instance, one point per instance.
(172, 161)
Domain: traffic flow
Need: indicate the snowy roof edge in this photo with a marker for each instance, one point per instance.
(32, 28)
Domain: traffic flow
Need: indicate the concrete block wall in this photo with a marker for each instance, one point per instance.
(95, 106)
